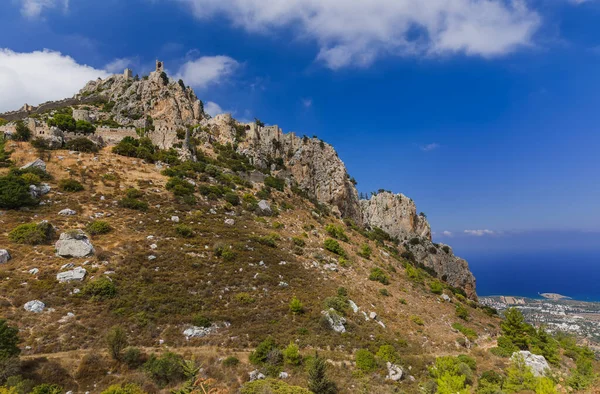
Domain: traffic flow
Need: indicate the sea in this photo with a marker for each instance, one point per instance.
(573, 273)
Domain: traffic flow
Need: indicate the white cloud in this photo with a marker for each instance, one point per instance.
(206, 70)
(34, 8)
(430, 147)
(479, 233)
(40, 76)
(446, 233)
(213, 108)
(307, 102)
(119, 65)
(356, 33)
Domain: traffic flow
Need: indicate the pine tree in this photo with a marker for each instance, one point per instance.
(8, 341)
(318, 382)
(515, 328)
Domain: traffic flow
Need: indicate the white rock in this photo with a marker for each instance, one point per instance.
(67, 266)
(4, 256)
(336, 322)
(37, 163)
(34, 306)
(153, 246)
(34, 271)
(74, 244)
(353, 306)
(373, 315)
(256, 375)
(537, 363)
(394, 372)
(284, 375)
(68, 276)
(229, 222)
(175, 219)
(152, 257)
(446, 298)
(264, 207)
(67, 212)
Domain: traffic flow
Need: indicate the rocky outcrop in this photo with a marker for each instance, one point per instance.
(335, 321)
(441, 261)
(396, 214)
(77, 274)
(34, 306)
(537, 363)
(4, 256)
(36, 164)
(74, 243)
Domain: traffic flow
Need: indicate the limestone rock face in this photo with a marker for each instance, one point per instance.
(77, 274)
(394, 372)
(448, 267)
(396, 214)
(537, 363)
(37, 163)
(336, 322)
(34, 306)
(74, 244)
(4, 256)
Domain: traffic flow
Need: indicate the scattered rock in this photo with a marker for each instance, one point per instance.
(39, 191)
(264, 207)
(284, 375)
(34, 306)
(153, 246)
(37, 163)
(256, 375)
(74, 243)
(152, 257)
(394, 372)
(199, 332)
(229, 222)
(175, 219)
(353, 306)
(538, 364)
(34, 271)
(446, 298)
(75, 274)
(336, 322)
(4, 256)
(373, 315)
(67, 212)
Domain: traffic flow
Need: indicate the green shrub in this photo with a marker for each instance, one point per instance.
(273, 386)
(336, 232)
(32, 233)
(63, 121)
(47, 388)
(116, 341)
(180, 187)
(31, 179)
(99, 289)
(275, 183)
(296, 306)
(184, 230)
(260, 354)
(338, 303)
(129, 388)
(365, 360)
(365, 251)
(70, 185)
(378, 275)
(467, 332)
(268, 240)
(417, 320)
(291, 354)
(318, 382)
(298, 241)
(22, 133)
(244, 298)
(333, 246)
(82, 144)
(4, 154)
(14, 193)
(201, 321)
(98, 227)
(9, 340)
(388, 353)
(462, 312)
(133, 357)
(132, 203)
(134, 193)
(232, 198)
(436, 287)
(384, 292)
(231, 361)
(166, 369)
(85, 127)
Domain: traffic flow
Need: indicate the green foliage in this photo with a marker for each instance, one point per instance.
(231, 361)
(47, 388)
(417, 320)
(514, 328)
(14, 193)
(333, 246)
(85, 127)
(244, 298)
(180, 187)
(467, 332)
(519, 377)
(365, 360)
(9, 340)
(70, 185)
(3, 122)
(232, 198)
(388, 353)
(116, 342)
(267, 240)
(98, 227)
(436, 287)
(542, 343)
(272, 386)
(64, 122)
(462, 312)
(260, 354)
(298, 241)
(199, 320)
(338, 303)
(318, 382)
(452, 374)
(291, 354)
(22, 132)
(490, 382)
(378, 275)
(99, 289)
(129, 388)
(32, 233)
(275, 183)
(296, 306)
(413, 273)
(365, 251)
(384, 292)
(336, 232)
(132, 203)
(4, 154)
(132, 357)
(82, 144)
(583, 376)
(184, 230)
(166, 369)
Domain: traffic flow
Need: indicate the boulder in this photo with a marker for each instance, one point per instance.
(229, 222)
(446, 298)
(74, 244)
(67, 212)
(394, 372)
(284, 375)
(4, 256)
(37, 191)
(34, 306)
(336, 322)
(256, 375)
(538, 364)
(37, 163)
(264, 207)
(74, 274)
(175, 219)
(353, 306)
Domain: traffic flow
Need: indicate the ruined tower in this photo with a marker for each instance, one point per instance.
(128, 74)
(160, 67)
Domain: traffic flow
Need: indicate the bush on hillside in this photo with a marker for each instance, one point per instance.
(22, 133)
(14, 193)
(132, 203)
(166, 369)
(63, 121)
(98, 227)
(99, 289)
(85, 127)
(32, 233)
(378, 275)
(365, 360)
(336, 232)
(82, 144)
(70, 185)
(333, 246)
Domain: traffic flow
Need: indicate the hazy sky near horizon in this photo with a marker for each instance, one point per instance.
(484, 112)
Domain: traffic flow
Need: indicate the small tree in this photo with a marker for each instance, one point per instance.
(22, 132)
(318, 382)
(116, 340)
(296, 306)
(515, 328)
(8, 341)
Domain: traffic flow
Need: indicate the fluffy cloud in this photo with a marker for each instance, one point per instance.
(479, 233)
(446, 233)
(212, 108)
(35, 8)
(119, 65)
(206, 70)
(429, 147)
(356, 33)
(40, 76)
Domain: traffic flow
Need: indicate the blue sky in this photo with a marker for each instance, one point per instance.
(484, 112)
